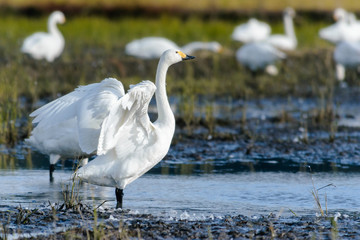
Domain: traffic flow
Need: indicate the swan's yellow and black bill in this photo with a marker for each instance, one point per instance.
(185, 56)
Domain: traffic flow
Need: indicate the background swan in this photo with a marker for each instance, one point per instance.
(346, 28)
(346, 55)
(46, 45)
(68, 127)
(287, 41)
(259, 56)
(252, 31)
(129, 143)
(153, 47)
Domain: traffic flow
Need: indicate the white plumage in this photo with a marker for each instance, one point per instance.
(100, 118)
(259, 56)
(287, 41)
(153, 47)
(70, 125)
(48, 45)
(346, 55)
(346, 28)
(252, 31)
(129, 143)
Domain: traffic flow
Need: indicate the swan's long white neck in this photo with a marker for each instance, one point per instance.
(165, 114)
(289, 27)
(52, 28)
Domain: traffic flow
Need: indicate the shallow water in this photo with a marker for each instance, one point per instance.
(194, 196)
(272, 173)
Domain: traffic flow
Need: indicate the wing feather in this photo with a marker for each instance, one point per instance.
(131, 109)
(92, 111)
(66, 106)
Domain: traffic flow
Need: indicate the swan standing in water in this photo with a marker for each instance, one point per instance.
(153, 47)
(68, 127)
(252, 31)
(287, 41)
(129, 144)
(46, 45)
(259, 56)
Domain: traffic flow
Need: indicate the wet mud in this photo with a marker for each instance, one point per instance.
(280, 147)
(272, 138)
(52, 222)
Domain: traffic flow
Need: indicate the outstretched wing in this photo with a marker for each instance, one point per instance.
(66, 107)
(93, 109)
(130, 110)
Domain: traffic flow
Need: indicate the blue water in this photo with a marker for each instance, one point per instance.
(203, 195)
(202, 178)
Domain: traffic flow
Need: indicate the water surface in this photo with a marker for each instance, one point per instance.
(246, 193)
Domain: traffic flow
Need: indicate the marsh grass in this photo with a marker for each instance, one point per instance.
(23, 215)
(210, 120)
(95, 50)
(316, 196)
(71, 194)
(5, 227)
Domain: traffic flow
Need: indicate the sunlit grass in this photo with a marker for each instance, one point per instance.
(95, 50)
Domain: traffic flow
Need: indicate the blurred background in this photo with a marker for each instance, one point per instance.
(214, 87)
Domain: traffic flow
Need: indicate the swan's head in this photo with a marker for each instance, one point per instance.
(253, 21)
(339, 14)
(172, 56)
(290, 12)
(57, 17)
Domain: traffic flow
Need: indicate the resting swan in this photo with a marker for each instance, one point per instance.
(287, 41)
(46, 45)
(153, 47)
(252, 31)
(259, 56)
(346, 28)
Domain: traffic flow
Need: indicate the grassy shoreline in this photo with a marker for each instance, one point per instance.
(94, 50)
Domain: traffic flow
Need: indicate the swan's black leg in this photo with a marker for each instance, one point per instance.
(51, 170)
(119, 197)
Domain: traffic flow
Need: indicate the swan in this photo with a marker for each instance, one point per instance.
(258, 56)
(252, 31)
(287, 41)
(346, 55)
(153, 47)
(46, 45)
(355, 25)
(130, 144)
(67, 127)
(346, 28)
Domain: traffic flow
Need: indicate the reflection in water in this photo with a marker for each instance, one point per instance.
(234, 162)
(7, 162)
(205, 194)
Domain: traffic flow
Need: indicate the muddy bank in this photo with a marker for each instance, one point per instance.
(84, 222)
